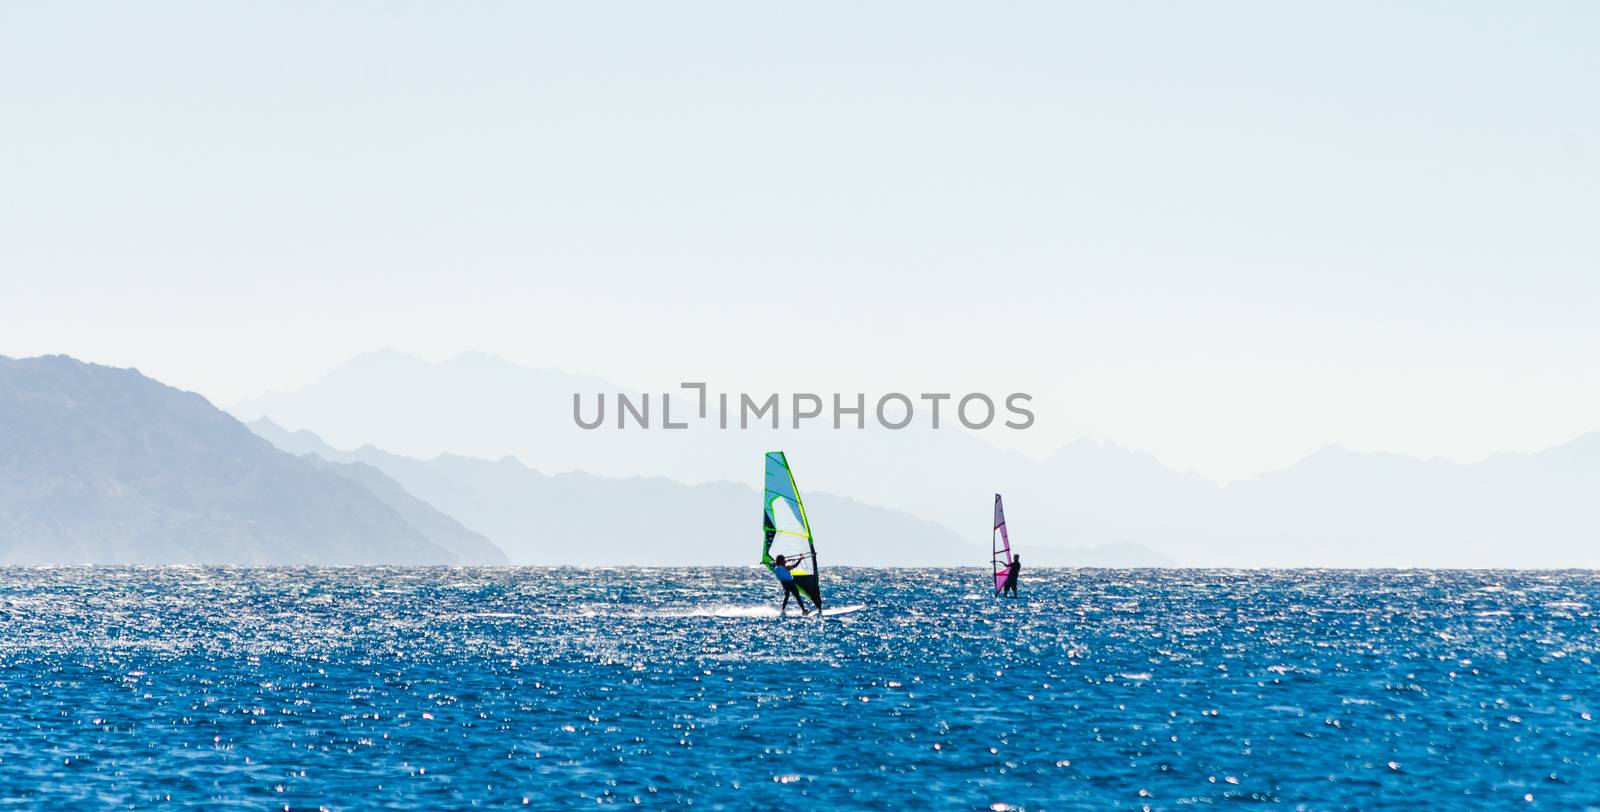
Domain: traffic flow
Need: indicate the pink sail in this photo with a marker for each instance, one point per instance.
(1001, 545)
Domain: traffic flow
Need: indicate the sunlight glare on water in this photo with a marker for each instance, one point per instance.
(431, 688)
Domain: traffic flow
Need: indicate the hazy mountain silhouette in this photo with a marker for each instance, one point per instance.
(484, 407)
(582, 519)
(415, 408)
(1335, 508)
(468, 547)
(103, 465)
(1356, 509)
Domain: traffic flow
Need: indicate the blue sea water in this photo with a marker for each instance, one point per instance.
(452, 688)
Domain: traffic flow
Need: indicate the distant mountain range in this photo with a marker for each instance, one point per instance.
(581, 519)
(105, 466)
(1335, 508)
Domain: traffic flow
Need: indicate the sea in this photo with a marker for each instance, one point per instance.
(438, 688)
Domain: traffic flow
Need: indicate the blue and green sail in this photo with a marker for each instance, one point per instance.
(785, 530)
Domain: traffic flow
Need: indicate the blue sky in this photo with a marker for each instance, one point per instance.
(1227, 234)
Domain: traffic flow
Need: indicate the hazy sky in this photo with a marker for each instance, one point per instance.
(1226, 233)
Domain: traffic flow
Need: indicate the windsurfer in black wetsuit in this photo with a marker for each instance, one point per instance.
(781, 570)
(1010, 586)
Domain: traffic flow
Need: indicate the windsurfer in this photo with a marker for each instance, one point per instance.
(781, 570)
(1010, 587)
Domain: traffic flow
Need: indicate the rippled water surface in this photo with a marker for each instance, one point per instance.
(435, 688)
